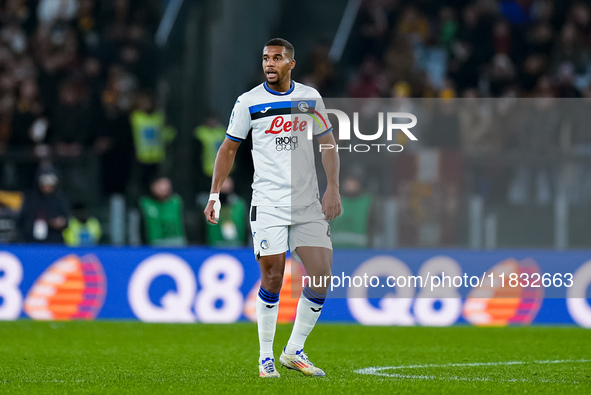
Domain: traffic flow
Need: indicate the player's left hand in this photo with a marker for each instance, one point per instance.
(212, 211)
(331, 203)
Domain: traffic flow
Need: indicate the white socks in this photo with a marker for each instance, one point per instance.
(267, 309)
(309, 308)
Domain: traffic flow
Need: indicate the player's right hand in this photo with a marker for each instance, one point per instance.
(212, 211)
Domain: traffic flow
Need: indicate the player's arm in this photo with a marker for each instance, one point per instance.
(331, 201)
(224, 161)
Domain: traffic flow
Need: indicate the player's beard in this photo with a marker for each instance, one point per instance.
(278, 80)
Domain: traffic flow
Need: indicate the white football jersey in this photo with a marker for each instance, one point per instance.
(283, 155)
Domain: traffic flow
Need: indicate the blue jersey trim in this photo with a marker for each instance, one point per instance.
(279, 93)
(269, 106)
(281, 104)
(323, 133)
(234, 138)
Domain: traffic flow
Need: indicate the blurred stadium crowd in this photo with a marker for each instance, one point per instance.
(80, 99)
(72, 75)
(69, 74)
(486, 48)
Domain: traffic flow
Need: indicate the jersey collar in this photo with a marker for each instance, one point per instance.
(279, 93)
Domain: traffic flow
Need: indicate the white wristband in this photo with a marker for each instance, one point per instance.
(217, 205)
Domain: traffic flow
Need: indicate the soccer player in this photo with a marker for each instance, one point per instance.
(285, 213)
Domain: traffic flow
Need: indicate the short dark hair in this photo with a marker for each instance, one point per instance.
(280, 42)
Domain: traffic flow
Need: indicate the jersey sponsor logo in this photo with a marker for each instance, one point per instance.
(315, 310)
(287, 143)
(265, 110)
(280, 125)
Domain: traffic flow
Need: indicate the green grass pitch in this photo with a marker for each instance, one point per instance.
(133, 357)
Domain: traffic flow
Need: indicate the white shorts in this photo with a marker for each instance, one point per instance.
(277, 229)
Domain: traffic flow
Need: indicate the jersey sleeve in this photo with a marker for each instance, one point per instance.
(239, 125)
(322, 125)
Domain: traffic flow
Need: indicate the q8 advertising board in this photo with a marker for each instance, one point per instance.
(390, 287)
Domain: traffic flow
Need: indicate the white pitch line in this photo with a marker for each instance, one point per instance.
(377, 371)
(41, 381)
